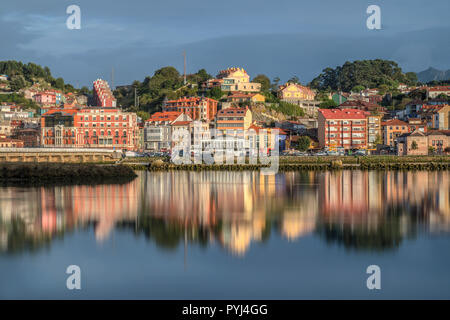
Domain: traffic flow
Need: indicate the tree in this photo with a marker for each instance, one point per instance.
(367, 73)
(322, 96)
(275, 83)
(263, 80)
(414, 145)
(17, 82)
(215, 93)
(294, 79)
(328, 104)
(143, 115)
(358, 89)
(411, 78)
(303, 143)
(199, 77)
(59, 83)
(84, 90)
(430, 150)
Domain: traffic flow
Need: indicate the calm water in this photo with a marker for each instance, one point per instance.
(230, 235)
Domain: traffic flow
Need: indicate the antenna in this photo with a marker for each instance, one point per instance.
(112, 78)
(184, 56)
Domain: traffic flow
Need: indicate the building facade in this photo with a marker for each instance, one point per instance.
(237, 79)
(374, 132)
(420, 143)
(233, 119)
(393, 129)
(342, 128)
(292, 92)
(103, 96)
(109, 128)
(197, 108)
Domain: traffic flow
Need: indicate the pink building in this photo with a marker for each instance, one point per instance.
(45, 98)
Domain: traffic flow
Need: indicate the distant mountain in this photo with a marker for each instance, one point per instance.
(433, 74)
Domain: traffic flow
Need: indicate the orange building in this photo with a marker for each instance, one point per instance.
(198, 108)
(342, 128)
(10, 143)
(393, 129)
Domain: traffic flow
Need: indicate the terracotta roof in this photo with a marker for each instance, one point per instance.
(232, 111)
(164, 116)
(342, 114)
(9, 140)
(240, 95)
(181, 123)
(440, 88)
(303, 88)
(438, 132)
(394, 122)
(69, 111)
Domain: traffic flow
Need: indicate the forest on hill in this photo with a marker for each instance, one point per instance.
(23, 75)
(363, 73)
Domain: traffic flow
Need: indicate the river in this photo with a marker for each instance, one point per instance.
(230, 235)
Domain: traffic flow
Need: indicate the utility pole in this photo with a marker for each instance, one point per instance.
(184, 55)
(135, 103)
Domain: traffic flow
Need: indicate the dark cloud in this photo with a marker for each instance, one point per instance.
(280, 38)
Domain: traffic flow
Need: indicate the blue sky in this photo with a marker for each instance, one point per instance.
(278, 38)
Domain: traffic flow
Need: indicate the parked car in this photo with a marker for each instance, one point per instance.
(360, 153)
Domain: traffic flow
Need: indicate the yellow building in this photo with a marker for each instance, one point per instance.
(374, 129)
(294, 91)
(237, 79)
(441, 118)
(234, 119)
(258, 98)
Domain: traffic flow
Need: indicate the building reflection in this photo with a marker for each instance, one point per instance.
(370, 210)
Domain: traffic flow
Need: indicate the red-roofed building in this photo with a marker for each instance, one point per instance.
(158, 129)
(197, 108)
(265, 134)
(342, 128)
(109, 128)
(362, 105)
(433, 92)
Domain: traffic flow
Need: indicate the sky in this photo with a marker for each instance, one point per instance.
(282, 38)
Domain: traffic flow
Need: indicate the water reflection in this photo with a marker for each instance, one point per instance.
(359, 210)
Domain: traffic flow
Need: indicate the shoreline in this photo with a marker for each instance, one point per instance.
(38, 174)
(429, 163)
